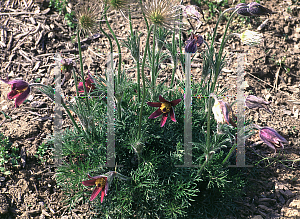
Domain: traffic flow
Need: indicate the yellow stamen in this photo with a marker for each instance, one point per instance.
(100, 182)
(21, 91)
(165, 107)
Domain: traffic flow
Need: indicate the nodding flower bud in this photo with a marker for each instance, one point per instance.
(243, 9)
(271, 137)
(256, 9)
(253, 102)
(193, 43)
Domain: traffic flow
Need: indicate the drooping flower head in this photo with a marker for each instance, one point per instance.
(66, 64)
(193, 43)
(162, 13)
(253, 102)
(251, 38)
(252, 9)
(271, 138)
(164, 107)
(256, 9)
(102, 183)
(223, 113)
(89, 84)
(19, 89)
(243, 9)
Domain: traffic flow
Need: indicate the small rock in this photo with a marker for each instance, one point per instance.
(265, 208)
(287, 194)
(38, 104)
(286, 29)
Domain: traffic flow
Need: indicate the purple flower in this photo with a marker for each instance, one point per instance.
(193, 42)
(253, 9)
(165, 107)
(243, 11)
(253, 102)
(89, 84)
(271, 138)
(102, 183)
(19, 89)
(256, 9)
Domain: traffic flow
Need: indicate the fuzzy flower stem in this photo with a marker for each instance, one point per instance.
(144, 84)
(118, 45)
(153, 60)
(107, 36)
(62, 103)
(81, 64)
(202, 167)
(119, 64)
(229, 154)
(81, 70)
(174, 59)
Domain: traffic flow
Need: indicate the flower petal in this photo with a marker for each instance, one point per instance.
(163, 119)
(161, 99)
(89, 182)
(102, 195)
(95, 193)
(172, 114)
(175, 102)
(22, 97)
(156, 114)
(80, 87)
(154, 104)
(13, 94)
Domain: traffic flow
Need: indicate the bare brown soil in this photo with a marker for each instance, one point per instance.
(31, 34)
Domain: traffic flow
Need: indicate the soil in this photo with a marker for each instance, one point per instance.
(32, 34)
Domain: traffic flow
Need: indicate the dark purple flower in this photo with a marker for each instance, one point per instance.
(271, 138)
(165, 107)
(89, 84)
(256, 9)
(253, 102)
(102, 183)
(243, 10)
(19, 89)
(193, 42)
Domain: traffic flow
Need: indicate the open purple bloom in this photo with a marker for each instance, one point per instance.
(165, 107)
(271, 138)
(193, 43)
(256, 9)
(89, 84)
(102, 183)
(253, 102)
(19, 89)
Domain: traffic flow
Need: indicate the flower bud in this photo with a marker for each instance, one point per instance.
(253, 102)
(256, 9)
(271, 138)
